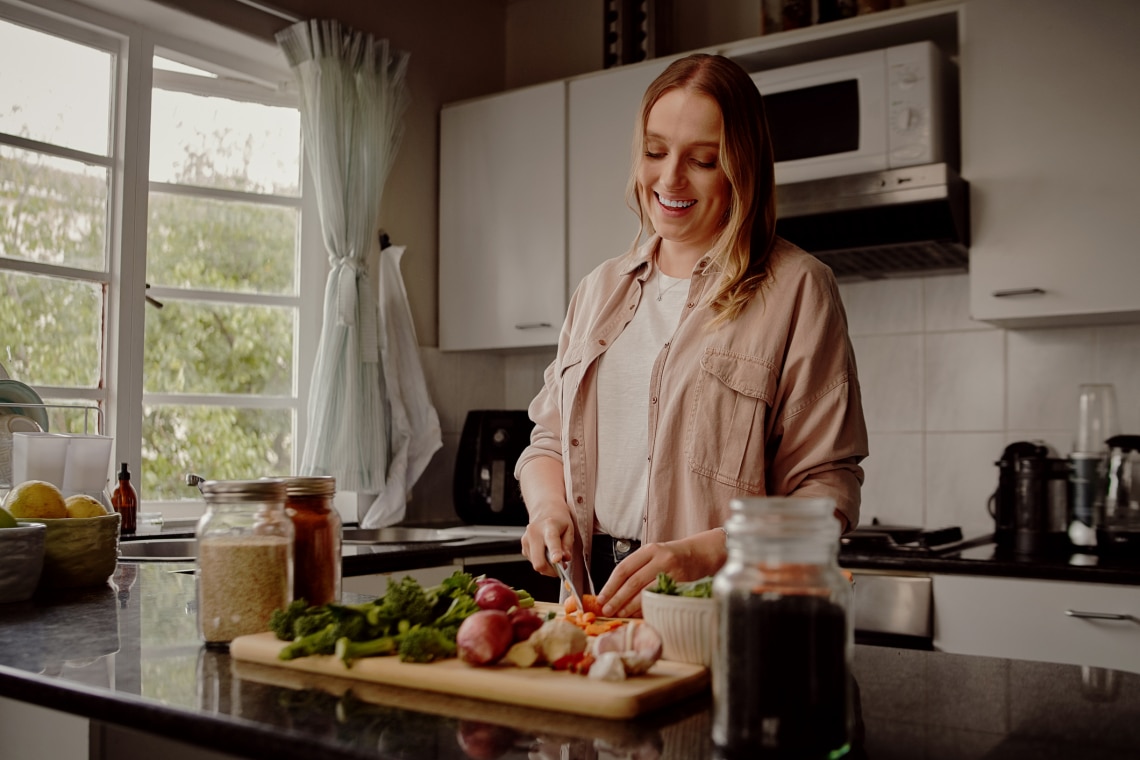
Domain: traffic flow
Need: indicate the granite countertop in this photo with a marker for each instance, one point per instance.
(127, 654)
(982, 557)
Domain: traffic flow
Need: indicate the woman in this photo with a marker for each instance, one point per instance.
(708, 363)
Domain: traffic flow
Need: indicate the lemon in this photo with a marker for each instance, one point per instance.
(82, 505)
(6, 519)
(35, 499)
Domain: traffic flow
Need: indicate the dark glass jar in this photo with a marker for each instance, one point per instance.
(317, 541)
(782, 667)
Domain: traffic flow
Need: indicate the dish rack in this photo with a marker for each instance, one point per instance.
(91, 414)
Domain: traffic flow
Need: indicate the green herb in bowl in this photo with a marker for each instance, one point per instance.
(701, 589)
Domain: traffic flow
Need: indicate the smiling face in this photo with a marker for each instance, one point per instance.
(681, 183)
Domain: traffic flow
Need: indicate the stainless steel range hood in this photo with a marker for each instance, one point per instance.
(893, 223)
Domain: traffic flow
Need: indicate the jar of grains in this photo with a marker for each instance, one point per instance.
(781, 672)
(316, 548)
(245, 558)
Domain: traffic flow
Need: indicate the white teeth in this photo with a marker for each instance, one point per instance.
(675, 204)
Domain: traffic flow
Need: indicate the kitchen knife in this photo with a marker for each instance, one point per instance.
(563, 570)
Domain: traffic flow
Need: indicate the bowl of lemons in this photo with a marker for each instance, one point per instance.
(81, 537)
(21, 558)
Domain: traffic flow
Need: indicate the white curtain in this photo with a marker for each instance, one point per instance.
(352, 104)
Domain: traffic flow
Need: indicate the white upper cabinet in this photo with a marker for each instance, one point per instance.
(1050, 120)
(502, 220)
(603, 112)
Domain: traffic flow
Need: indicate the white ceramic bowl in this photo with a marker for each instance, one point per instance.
(687, 626)
(21, 561)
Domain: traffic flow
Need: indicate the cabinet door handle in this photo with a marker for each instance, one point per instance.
(1101, 615)
(532, 325)
(1019, 292)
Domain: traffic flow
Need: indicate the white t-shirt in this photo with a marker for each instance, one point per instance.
(623, 406)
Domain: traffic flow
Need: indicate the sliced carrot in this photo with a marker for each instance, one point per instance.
(570, 605)
(589, 617)
(590, 604)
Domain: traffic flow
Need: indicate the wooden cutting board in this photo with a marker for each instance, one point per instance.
(538, 687)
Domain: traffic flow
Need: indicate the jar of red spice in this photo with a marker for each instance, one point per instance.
(316, 527)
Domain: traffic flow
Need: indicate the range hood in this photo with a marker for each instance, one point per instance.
(892, 223)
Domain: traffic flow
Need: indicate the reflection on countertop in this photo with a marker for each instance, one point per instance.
(128, 653)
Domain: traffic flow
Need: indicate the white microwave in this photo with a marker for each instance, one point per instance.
(882, 109)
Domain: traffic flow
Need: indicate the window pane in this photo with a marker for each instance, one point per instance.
(50, 330)
(55, 91)
(71, 416)
(218, 443)
(221, 245)
(196, 347)
(52, 210)
(226, 144)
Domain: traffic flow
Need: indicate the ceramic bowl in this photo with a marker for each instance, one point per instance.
(21, 561)
(687, 626)
(80, 551)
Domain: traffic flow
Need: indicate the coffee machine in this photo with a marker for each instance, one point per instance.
(1030, 505)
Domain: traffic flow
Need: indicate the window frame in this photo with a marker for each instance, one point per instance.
(263, 75)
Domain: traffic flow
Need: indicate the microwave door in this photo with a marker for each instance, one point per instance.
(827, 118)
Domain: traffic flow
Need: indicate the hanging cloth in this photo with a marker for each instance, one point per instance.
(352, 103)
(413, 422)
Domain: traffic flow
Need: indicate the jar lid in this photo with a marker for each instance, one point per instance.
(265, 489)
(782, 516)
(315, 485)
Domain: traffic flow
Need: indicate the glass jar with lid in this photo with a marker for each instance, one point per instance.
(317, 543)
(245, 558)
(782, 668)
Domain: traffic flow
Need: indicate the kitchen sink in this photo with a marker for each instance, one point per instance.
(160, 549)
(397, 535)
(186, 549)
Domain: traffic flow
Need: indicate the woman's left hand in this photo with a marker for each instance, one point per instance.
(687, 559)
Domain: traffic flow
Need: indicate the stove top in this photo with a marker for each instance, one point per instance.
(892, 540)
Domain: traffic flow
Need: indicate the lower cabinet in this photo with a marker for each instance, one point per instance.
(1091, 624)
(31, 731)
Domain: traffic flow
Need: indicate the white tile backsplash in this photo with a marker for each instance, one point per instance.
(893, 480)
(890, 377)
(1118, 362)
(946, 303)
(1045, 368)
(964, 381)
(960, 477)
(881, 307)
(943, 396)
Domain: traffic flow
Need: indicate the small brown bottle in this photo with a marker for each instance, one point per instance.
(125, 501)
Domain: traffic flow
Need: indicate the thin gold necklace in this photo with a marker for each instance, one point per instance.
(660, 292)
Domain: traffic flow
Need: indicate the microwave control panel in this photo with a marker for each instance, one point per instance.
(915, 83)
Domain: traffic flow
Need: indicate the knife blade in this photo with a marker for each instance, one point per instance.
(563, 570)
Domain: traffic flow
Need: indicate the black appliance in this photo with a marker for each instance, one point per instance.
(485, 489)
(879, 540)
(1030, 505)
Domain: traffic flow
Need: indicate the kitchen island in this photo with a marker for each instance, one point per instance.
(126, 657)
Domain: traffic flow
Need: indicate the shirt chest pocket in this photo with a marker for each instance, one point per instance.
(729, 416)
(570, 376)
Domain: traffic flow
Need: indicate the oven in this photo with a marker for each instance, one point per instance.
(894, 593)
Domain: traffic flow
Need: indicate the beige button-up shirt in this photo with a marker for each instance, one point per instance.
(767, 404)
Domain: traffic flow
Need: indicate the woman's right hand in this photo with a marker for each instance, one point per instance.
(551, 527)
(550, 531)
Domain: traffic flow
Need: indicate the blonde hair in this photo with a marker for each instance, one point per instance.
(742, 249)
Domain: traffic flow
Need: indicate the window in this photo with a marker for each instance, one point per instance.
(152, 211)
